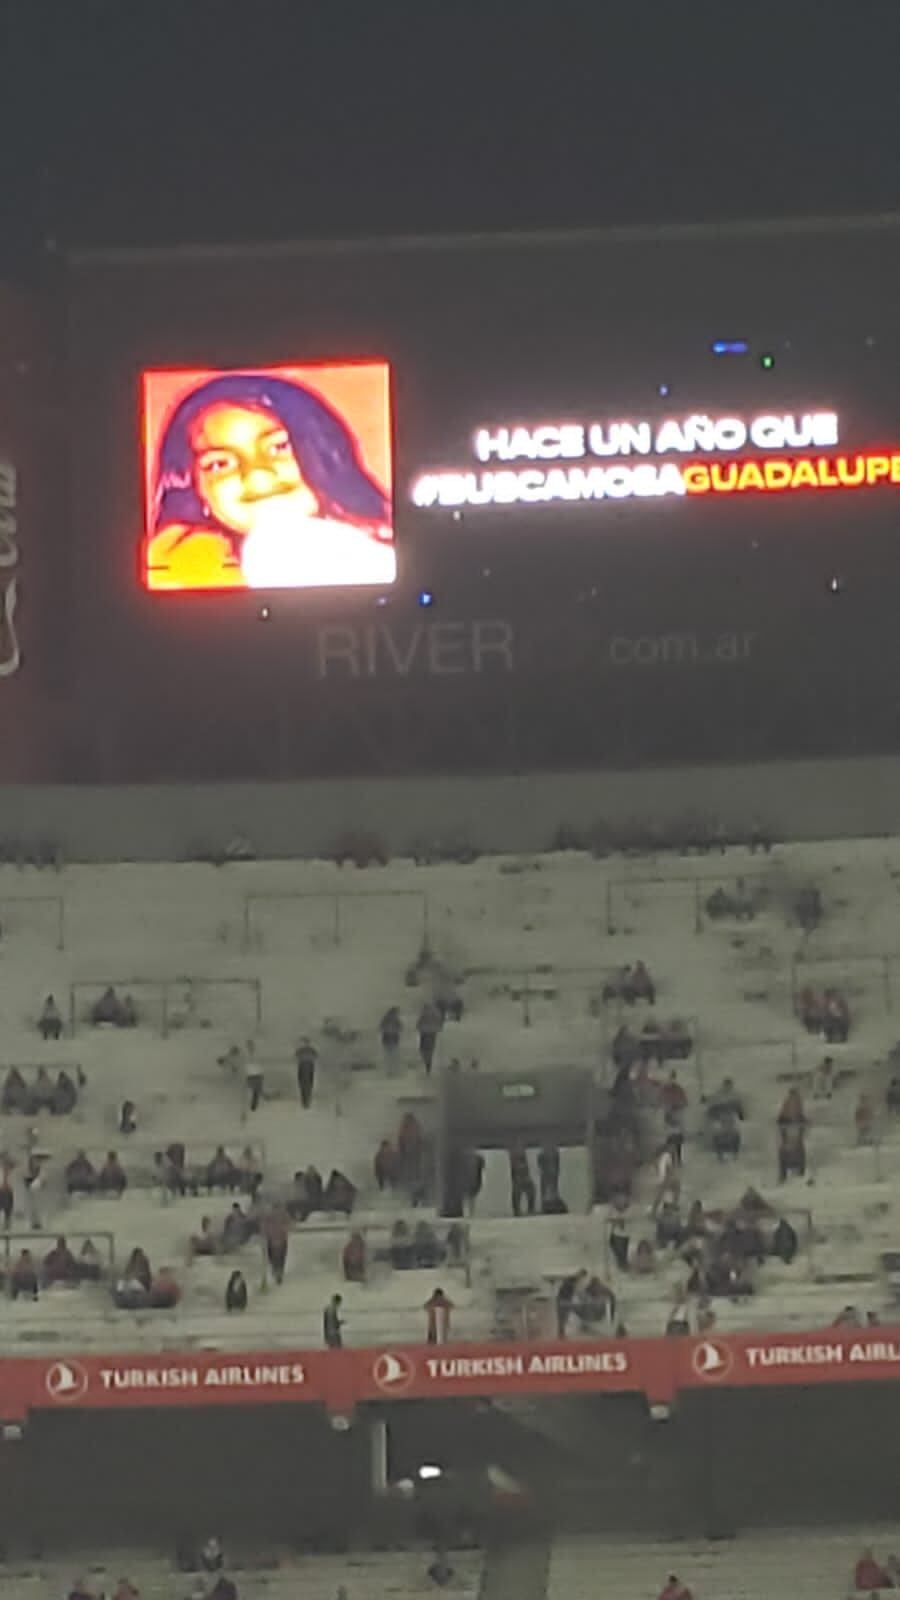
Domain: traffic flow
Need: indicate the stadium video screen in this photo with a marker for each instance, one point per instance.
(268, 478)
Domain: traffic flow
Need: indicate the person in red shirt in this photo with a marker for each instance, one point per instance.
(438, 1309)
(675, 1590)
(868, 1574)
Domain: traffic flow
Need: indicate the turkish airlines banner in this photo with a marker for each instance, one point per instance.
(342, 1379)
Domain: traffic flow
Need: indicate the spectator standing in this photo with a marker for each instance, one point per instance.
(274, 1230)
(437, 1310)
(390, 1028)
(521, 1182)
(548, 1174)
(50, 1021)
(306, 1058)
(332, 1324)
(429, 1026)
(254, 1076)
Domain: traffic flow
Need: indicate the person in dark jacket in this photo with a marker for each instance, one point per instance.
(521, 1181)
(306, 1057)
(429, 1026)
(548, 1175)
(332, 1324)
(236, 1293)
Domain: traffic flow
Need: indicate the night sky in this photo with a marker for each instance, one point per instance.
(125, 122)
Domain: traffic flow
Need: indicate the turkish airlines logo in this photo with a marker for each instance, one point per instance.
(393, 1372)
(712, 1360)
(66, 1380)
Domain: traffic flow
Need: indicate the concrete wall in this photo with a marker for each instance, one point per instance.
(809, 800)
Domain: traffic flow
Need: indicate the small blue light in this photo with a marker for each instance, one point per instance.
(663, 389)
(729, 347)
(426, 598)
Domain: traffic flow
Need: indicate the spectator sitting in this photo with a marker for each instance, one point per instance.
(65, 1095)
(111, 1178)
(108, 1010)
(567, 1296)
(221, 1172)
(89, 1265)
(170, 1170)
(80, 1591)
(848, 1318)
(223, 1589)
(595, 1303)
(164, 1290)
(204, 1242)
(15, 1097)
(314, 1189)
(644, 1257)
(23, 1276)
(675, 1590)
(400, 1250)
(298, 1205)
(836, 1017)
(386, 1165)
(440, 1571)
(125, 1590)
(129, 1294)
(678, 1322)
(212, 1556)
(128, 1117)
(340, 1193)
(639, 985)
(60, 1265)
(353, 1259)
(234, 1059)
(43, 1092)
(138, 1267)
(428, 1252)
(50, 1021)
(864, 1120)
(726, 1275)
(237, 1229)
(236, 1293)
(868, 1574)
(80, 1175)
(810, 1010)
(892, 1094)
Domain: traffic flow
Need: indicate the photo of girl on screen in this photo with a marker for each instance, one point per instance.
(258, 483)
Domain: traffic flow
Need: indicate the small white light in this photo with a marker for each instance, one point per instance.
(429, 1472)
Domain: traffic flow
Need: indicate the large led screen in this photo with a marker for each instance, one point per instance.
(268, 478)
